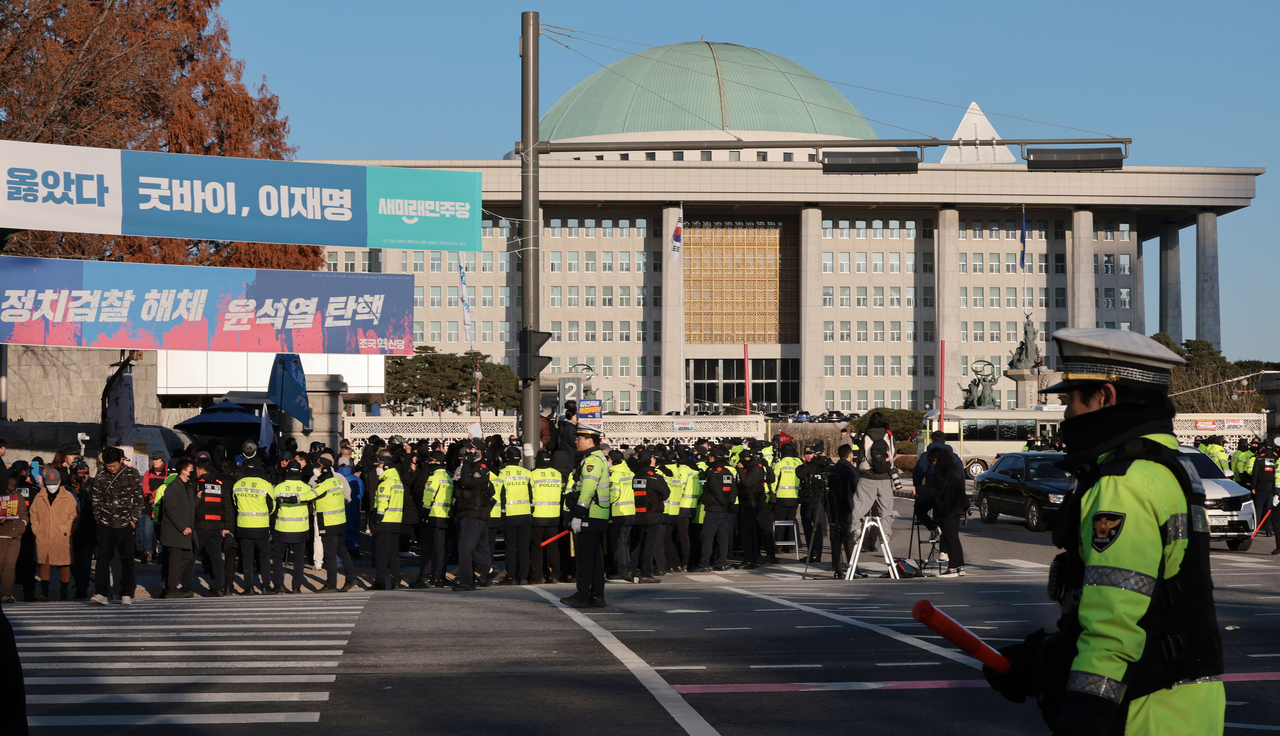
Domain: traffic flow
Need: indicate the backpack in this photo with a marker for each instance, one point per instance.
(813, 486)
(877, 455)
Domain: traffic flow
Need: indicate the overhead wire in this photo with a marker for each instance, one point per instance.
(835, 82)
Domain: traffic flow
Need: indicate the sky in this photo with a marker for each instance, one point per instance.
(1193, 83)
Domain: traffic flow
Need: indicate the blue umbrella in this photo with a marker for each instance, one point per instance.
(223, 419)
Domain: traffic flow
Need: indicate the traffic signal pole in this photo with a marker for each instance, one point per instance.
(530, 221)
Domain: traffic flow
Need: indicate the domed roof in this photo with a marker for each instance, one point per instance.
(720, 86)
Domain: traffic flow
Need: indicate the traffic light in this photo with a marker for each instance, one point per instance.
(530, 364)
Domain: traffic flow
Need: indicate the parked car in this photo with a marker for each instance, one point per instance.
(777, 416)
(1228, 504)
(1028, 485)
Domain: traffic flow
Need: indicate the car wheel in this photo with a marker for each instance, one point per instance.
(1239, 545)
(1035, 517)
(988, 514)
(975, 468)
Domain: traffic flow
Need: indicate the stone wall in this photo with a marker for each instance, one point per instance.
(65, 384)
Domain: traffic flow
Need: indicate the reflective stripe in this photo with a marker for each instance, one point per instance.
(1212, 678)
(546, 503)
(252, 491)
(253, 513)
(1116, 577)
(336, 512)
(1103, 687)
(1177, 527)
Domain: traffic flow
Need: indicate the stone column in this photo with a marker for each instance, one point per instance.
(324, 393)
(1208, 308)
(1170, 283)
(811, 345)
(946, 244)
(1139, 288)
(1080, 296)
(673, 385)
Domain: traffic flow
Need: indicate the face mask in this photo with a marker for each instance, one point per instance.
(381, 471)
(51, 489)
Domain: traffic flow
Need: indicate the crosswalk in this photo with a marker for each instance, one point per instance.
(195, 662)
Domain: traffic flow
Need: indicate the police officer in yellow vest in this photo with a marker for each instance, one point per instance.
(786, 487)
(291, 528)
(437, 508)
(622, 517)
(590, 520)
(1138, 650)
(547, 487)
(690, 467)
(671, 557)
(254, 504)
(512, 487)
(331, 516)
(388, 515)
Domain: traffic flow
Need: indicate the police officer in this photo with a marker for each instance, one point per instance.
(437, 503)
(331, 518)
(473, 502)
(751, 499)
(547, 486)
(649, 489)
(388, 515)
(812, 482)
(1263, 484)
(719, 498)
(675, 546)
(622, 516)
(214, 512)
(1138, 650)
(255, 503)
(291, 528)
(786, 490)
(589, 520)
(517, 516)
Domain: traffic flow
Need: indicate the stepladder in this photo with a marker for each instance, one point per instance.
(868, 524)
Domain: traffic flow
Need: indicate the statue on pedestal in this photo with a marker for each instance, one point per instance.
(1027, 354)
(980, 394)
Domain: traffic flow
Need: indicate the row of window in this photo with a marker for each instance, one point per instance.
(447, 331)
(865, 399)
(508, 296)
(899, 296)
(898, 262)
(623, 403)
(914, 366)
(990, 331)
(588, 229)
(570, 263)
(1105, 263)
(606, 296)
(877, 333)
(974, 229)
(588, 332)
(897, 229)
(1108, 298)
(415, 261)
(646, 366)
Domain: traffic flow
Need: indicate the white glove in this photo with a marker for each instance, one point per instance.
(575, 525)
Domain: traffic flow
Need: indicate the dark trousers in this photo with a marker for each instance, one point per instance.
(764, 522)
(544, 561)
(81, 564)
(298, 552)
(353, 525)
(119, 541)
(681, 533)
(438, 560)
(620, 546)
(716, 528)
(26, 566)
(590, 556)
(262, 546)
(13, 699)
(842, 540)
(517, 538)
(749, 529)
(230, 546)
(650, 547)
(210, 543)
(666, 548)
(921, 509)
(180, 560)
(814, 520)
(335, 549)
(473, 550)
(386, 554)
(951, 537)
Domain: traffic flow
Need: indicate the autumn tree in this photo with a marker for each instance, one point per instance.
(1207, 383)
(146, 75)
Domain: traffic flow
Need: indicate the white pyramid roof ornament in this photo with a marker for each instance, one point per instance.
(975, 127)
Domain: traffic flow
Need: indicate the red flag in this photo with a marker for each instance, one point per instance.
(785, 438)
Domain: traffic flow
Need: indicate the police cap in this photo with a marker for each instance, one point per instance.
(587, 430)
(1093, 355)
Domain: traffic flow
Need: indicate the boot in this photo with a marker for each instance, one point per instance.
(64, 591)
(43, 595)
(577, 600)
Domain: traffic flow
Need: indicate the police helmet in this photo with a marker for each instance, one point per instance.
(512, 454)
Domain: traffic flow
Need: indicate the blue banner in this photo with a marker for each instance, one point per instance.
(148, 307)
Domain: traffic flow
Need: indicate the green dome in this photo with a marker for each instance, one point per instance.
(719, 85)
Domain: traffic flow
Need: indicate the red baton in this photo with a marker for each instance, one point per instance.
(1260, 523)
(952, 631)
(549, 541)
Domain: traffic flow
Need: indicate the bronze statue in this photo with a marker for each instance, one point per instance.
(980, 393)
(1027, 354)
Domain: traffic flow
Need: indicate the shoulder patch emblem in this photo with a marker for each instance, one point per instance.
(1107, 526)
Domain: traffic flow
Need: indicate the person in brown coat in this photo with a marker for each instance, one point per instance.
(53, 518)
(13, 522)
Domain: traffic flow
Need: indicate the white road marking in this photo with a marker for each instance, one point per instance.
(154, 627)
(686, 610)
(242, 697)
(783, 666)
(681, 667)
(1251, 727)
(1013, 592)
(1256, 656)
(904, 638)
(192, 634)
(629, 631)
(1047, 603)
(1023, 563)
(172, 665)
(181, 679)
(904, 664)
(173, 719)
(195, 653)
(758, 610)
(178, 643)
(689, 719)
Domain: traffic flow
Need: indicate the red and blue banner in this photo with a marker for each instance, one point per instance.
(156, 307)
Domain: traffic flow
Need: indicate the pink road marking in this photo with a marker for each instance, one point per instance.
(814, 687)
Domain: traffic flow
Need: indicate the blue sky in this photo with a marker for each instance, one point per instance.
(1194, 84)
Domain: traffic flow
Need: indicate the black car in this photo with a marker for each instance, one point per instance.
(1028, 485)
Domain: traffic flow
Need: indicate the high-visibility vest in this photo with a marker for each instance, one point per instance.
(389, 503)
(438, 495)
(252, 509)
(692, 487)
(513, 482)
(548, 486)
(785, 483)
(156, 511)
(496, 511)
(622, 498)
(675, 482)
(291, 515)
(332, 504)
(593, 475)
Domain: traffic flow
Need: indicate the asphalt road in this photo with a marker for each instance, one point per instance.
(762, 652)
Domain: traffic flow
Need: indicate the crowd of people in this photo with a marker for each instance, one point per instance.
(650, 509)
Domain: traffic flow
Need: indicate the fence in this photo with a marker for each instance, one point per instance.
(1230, 427)
(617, 429)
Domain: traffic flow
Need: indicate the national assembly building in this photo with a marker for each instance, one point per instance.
(836, 292)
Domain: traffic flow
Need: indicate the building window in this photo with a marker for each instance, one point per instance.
(642, 261)
(1108, 298)
(606, 228)
(1124, 231)
(331, 259)
(554, 230)
(877, 263)
(828, 331)
(828, 263)
(657, 296)
(894, 231)
(1043, 300)
(844, 331)
(994, 334)
(705, 155)
(624, 331)
(1044, 263)
(418, 296)
(895, 263)
(1060, 297)
(589, 228)
(418, 332)
(977, 230)
(877, 332)
(862, 296)
(435, 332)
(589, 260)
(877, 229)
(606, 296)
(624, 296)
(589, 334)
(1060, 263)
(978, 299)
(1011, 297)
(963, 230)
(828, 296)
(829, 366)
(979, 332)
(994, 232)
(624, 261)
(641, 294)
(365, 261)
(926, 296)
(572, 259)
(862, 332)
(624, 228)
(860, 262)
(486, 332)
(846, 366)
(862, 366)
(1124, 299)
(642, 332)
(349, 262)
(1126, 326)
(453, 332)
(1124, 263)
(1109, 231)
(895, 331)
(878, 397)
(555, 296)
(964, 337)
(844, 263)
(845, 298)
(606, 260)
(591, 297)
(573, 331)
(1010, 262)
(829, 398)
(877, 296)
(1108, 263)
(895, 296)
(453, 297)
(846, 404)
(964, 297)
(762, 155)
(926, 262)
(911, 297)
(994, 263)
(826, 230)
(877, 366)
(843, 226)
(555, 262)
(895, 399)
(1011, 331)
(860, 229)
(862, 401)
(928, 332)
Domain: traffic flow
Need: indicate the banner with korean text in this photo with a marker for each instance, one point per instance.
(110, 192)
(149, 307)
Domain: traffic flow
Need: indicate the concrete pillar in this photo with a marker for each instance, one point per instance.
(946, 244)
(1080, 289)
(1170, 283)
(673, 385)
(1208, 307)
(811, 345)
(324, 393)
(1139, 289)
